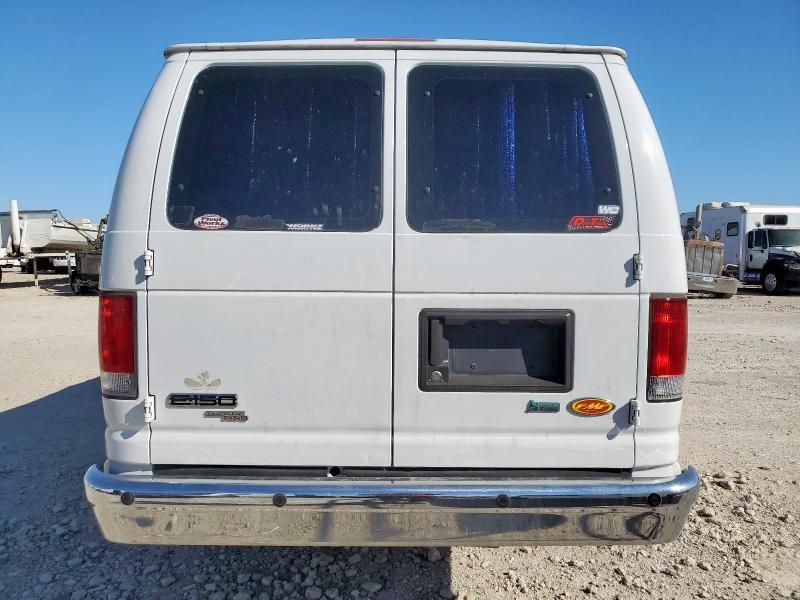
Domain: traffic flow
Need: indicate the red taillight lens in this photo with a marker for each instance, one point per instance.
(117, 341)
(669, 335)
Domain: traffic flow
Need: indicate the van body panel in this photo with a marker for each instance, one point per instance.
(296, 324)
(307, 401)
(659, 223)
(127, 435)
(383, 279)
(126, 235)
(513, 262)
(664, 266)
(590, 274)
(496, 429)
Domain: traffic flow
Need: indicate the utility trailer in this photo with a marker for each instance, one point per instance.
(36, 218)
(37, 240)
(762, 242)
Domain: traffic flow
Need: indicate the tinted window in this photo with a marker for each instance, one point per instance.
(776, 219)
(784, 237)
(733, 229)
(520, 149)
(280, 148)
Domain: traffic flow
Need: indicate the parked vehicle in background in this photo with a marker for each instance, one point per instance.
(454, 318)
(8, 255)
(704, 265)
(85, 276)
(40, 240)
(762, 242)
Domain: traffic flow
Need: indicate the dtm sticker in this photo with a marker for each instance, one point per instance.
(608, 209)
(590, 223)
(590, 407)
(210, 221)
(227, 416)
(542, 407)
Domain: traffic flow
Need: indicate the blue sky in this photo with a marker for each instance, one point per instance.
(722, 78)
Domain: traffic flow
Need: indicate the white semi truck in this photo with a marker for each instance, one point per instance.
(762, 242)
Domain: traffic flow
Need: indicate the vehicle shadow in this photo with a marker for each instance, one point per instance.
(58, 286)
(751, 291)
(46, 447)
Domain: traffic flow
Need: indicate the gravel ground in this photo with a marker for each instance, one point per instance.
(740, 420)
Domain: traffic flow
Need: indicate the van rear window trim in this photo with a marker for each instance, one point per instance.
(298, 64)
(467, 65)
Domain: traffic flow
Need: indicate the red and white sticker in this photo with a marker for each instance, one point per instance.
(590, 223)
(211, 222)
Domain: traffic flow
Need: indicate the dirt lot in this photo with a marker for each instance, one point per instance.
(741, 417)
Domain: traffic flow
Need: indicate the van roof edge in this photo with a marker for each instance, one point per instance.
(393, 44)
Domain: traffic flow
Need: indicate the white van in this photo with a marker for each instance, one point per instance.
(393, 292)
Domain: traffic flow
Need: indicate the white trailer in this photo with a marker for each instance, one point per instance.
(762, 241)
(10, 250)
(36, 239)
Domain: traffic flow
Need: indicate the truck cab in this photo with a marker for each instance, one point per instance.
(775, 254)
(392, 292)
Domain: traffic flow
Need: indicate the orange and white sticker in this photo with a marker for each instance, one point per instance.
(590, 407)
(210, 221)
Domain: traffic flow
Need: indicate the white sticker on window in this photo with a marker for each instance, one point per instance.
(305, 226)
(608, 209)
(210, 221)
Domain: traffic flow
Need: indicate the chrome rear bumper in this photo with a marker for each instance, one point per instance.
(389, 512)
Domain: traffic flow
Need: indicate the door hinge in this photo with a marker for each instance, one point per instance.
(638, 267)
(149, 409)
(148, 263)
(633, 415)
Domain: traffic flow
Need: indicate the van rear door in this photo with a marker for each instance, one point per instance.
(270, 304)
(516, 305)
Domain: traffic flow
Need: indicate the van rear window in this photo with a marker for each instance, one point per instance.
(509, 149)
(280, 148)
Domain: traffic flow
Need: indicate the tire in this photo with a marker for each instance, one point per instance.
(723, 296)
(772, 283)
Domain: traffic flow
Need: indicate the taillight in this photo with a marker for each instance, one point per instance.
(117, 343)
(669, 335)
